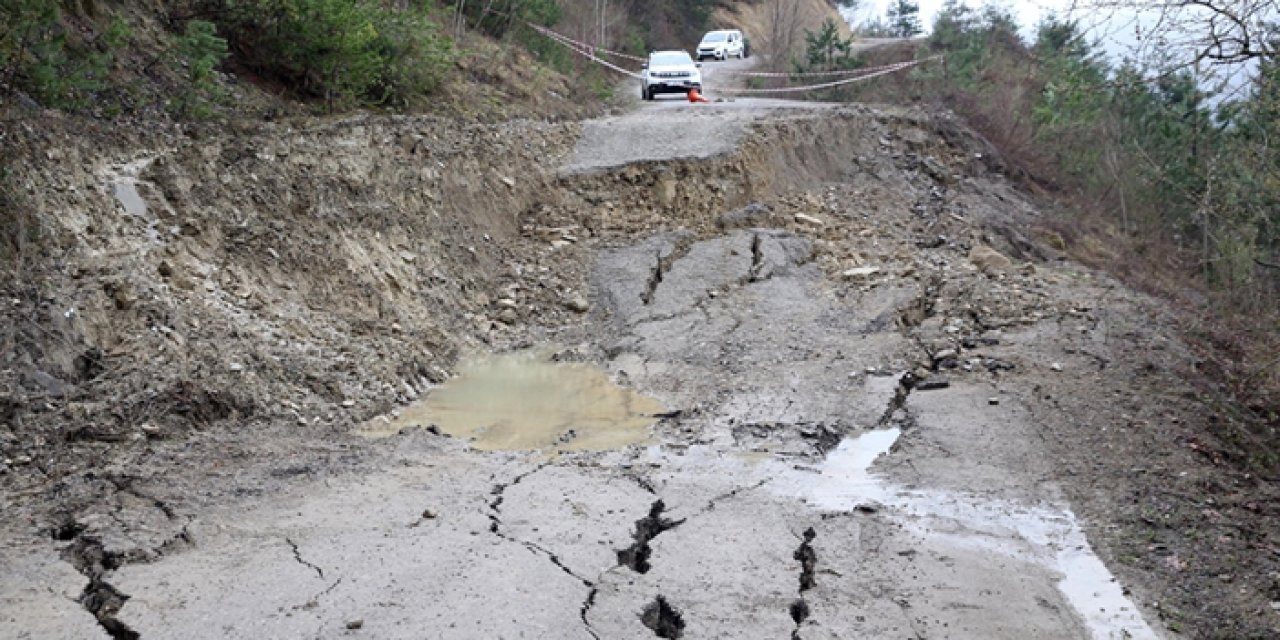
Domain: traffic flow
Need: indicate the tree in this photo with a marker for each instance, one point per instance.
(825, 49)
(201, 51)
(955, 23)
(904, 19)
(1184, 32)
(784, 21)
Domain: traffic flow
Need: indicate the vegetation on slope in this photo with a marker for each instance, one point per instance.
(1153, 176)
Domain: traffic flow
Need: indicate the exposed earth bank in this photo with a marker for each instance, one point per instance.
(213, 314)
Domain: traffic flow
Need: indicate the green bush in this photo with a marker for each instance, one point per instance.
(497, 17)
(39, 57)
(202, 51)
(346, 52)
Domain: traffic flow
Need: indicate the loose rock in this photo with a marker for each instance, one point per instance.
(860, 272)
(577, 304)
(989, 261)
(808, 220)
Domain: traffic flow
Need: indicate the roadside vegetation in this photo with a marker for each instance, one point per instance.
(186, 59)
(1155, 172)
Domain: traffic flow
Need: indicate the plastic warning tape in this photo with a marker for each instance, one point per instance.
(818, 74)
(826, 85)
(586, 51)
(584, 46)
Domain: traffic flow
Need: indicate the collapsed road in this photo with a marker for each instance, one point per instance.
(799, 379)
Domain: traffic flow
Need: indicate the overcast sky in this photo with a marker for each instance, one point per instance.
(1027, 13)
(1114, 32)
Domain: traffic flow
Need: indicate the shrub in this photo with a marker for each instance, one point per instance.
(202, 51)
(38, 57)
(344, 51)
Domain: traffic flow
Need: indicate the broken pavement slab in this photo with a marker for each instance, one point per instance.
(40, 593)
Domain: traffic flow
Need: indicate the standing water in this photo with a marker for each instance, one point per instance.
(1043, 534)
(523, 401)
(126, 192)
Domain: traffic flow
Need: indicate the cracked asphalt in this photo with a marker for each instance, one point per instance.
(707, 533)
(740, 519)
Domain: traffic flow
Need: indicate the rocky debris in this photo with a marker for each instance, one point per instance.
(859, 273)
(932, 383)
(577, 304)
(756, 214)
(989, 261)
(808, 220)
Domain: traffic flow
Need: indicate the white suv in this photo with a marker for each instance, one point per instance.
(669, 72)
(722, 45)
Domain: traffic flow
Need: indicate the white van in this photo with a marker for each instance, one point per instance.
(722, 45)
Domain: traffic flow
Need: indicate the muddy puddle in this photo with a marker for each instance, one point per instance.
(524, 401)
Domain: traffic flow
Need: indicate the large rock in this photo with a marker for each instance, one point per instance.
(989, 261)
(755, 214)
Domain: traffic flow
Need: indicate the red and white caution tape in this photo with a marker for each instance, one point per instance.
(582, 45)
(583, 50)
(816, 74)
(826, 85)
(589, 52)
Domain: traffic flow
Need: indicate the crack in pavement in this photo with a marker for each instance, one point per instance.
(89, 556)
(655, 279)
(297, 555)
(643, 483)
(649, 527)
(495, 527)
(586, 608)
(663, 619)
(757, 258)
(495, 505)
(732, 493)
(678, 249)
(99, 597)
(808, 559)
(314, 601)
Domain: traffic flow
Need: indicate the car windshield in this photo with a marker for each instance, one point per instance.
(670, 58)
(715, 36)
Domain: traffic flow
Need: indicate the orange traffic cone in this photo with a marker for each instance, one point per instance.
(694, 96)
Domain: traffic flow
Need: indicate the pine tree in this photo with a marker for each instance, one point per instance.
(904, 19)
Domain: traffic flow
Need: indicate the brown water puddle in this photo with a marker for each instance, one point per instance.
(523, 401)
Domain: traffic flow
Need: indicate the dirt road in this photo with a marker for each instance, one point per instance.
(840, 379)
